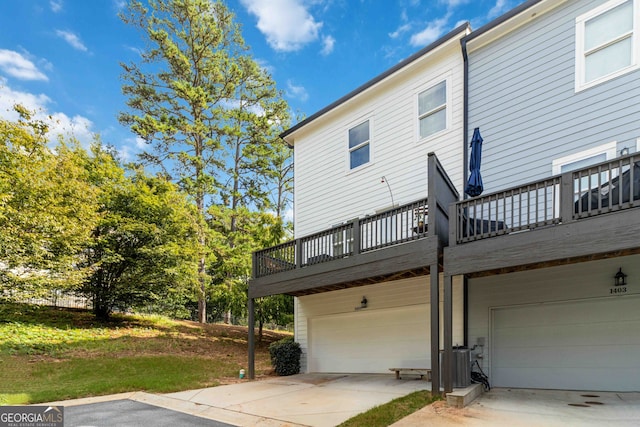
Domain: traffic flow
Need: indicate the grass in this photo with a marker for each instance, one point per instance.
(390, 412)
(49, 354)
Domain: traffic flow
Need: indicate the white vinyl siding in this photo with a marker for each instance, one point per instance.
(538, 117)
(328, 192)
(606, 42)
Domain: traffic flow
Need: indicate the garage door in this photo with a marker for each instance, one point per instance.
(370, 341)
(581, 345)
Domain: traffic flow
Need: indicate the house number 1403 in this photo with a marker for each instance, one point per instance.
(621, 290)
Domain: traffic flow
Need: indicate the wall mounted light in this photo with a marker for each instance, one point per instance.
(624, 151)
(364, 302)
(620, 279)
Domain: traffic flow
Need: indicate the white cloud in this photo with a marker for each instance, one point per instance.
(297, 92)
(498, 9)
(120, 4)
(59, 123)
(432, 31)
(454, 3)
(56, 5)
(72, 39)
(401, 30)
(287, 24)
(16, 65)
(327, 45)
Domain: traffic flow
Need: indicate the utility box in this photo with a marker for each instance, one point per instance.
(461, 367)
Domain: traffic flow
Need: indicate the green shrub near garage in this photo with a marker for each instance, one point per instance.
(285, 356)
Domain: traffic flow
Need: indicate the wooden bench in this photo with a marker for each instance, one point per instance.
(414, 371)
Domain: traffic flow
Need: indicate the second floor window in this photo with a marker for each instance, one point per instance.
(359, 145)
(432, 109)
(606, 42)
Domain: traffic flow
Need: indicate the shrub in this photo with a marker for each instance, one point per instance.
(285, 356)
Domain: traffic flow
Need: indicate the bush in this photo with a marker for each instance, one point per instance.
(285, 356)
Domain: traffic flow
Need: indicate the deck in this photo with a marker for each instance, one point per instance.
(580, 215)
(402, 242)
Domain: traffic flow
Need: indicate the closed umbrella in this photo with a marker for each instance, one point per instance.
(474, 185)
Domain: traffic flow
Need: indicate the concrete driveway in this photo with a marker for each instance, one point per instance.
(299, 400)
(328, 400)
(529, 408)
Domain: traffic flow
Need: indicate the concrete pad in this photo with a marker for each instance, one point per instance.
(529, 408)
(308, 399)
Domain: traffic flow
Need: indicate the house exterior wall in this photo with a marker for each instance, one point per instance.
(381, 297)
(328, 193)
(591, 282)
(523, 97)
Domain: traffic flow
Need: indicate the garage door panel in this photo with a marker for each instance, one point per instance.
(567, 335)
(585, 345)
(370, 341)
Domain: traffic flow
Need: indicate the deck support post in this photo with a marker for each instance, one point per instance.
(251, 339)
(434, 277)
(447, 357)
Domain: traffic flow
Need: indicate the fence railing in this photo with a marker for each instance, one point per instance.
(595, 190)
(388, 228)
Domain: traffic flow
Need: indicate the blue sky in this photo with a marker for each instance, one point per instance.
(61, 57)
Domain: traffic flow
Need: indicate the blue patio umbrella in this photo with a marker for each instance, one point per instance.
(474, 185)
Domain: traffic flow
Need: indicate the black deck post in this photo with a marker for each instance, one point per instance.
(447, 357)
(251, 339)
(435, 329)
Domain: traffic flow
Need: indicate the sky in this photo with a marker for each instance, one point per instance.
(62, 58)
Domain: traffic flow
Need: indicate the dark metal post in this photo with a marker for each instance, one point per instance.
(355, 224)
(435, 329)
(252, 339)
(298, 253)
(566, 197)
(447, 357)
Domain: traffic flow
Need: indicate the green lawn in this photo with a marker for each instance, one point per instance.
(389, 413)
(49, 354)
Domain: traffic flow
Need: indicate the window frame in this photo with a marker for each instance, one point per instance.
(580, 60)
(368, 142)
(609, 150)
(446, 79)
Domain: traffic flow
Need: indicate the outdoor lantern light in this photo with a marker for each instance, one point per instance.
(620, 279)
(363, 303)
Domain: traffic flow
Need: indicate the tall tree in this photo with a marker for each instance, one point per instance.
(47, 207)
(143, 247)
(194, 83)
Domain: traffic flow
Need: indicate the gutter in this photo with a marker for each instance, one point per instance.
(465, 114)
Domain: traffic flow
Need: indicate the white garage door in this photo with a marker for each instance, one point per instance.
(581, 345)
(370, 341)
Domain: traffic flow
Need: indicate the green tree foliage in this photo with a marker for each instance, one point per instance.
(47, 208)
(249, 231)
(207, 110)
(144, 248)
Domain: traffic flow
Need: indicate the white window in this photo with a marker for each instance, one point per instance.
(584, 159)
(359, 145)
(432, 110)
(606, 42)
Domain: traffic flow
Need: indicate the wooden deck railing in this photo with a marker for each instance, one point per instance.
(596, 190)
(388, 228)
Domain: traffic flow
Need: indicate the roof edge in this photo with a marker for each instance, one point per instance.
(442, 40)
(501, 19)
